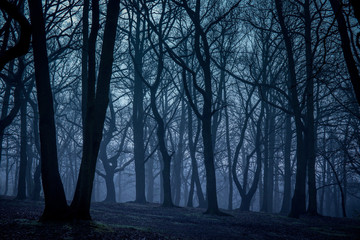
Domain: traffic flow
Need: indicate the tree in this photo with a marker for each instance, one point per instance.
(202, 51)
(56, 207)
(309, 134)
(346, 46)
(138, 97)
(298, 200)
(22, 46)
(96, 105)
(161, 130)
(8, 54)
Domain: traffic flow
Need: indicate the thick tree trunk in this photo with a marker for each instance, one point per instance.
(245, 203)
(211, 194)
(298, 203)
(110, 187)
(81, 202)
(55, 202)
(95, 115)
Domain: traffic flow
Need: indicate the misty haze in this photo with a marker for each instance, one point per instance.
(177, 119)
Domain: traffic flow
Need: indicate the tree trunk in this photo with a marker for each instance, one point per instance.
(228, 148)
(97, 104)
(245, 203)
(298, 203)
(110, 187)
(84, 59)
(265, 203)
(23, 156)
(138, 114)
(309, 136)
(192, 149)
(271, 149)
(150, 181)
(29, 166)
(346, 47)
(4, 110)
(55, 202)
(37, 174)
(211, 195)
(246, 197)
(163, 150)
(179, 157)
(285, 208)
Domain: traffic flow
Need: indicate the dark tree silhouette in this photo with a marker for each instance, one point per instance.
(346, 46)
(298, 204)
(56, 207)
(96, 105)
(22, 46)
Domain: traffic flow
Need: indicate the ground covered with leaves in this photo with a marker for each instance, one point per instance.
(19, 220)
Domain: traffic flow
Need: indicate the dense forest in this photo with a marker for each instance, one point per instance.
(250, 105)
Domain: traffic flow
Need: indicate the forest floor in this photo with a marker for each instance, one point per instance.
(19, 220)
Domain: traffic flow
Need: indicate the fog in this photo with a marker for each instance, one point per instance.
(223, 105)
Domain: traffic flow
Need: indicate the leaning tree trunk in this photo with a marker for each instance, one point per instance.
(95, 116)
(346, 46)
(56, 207)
